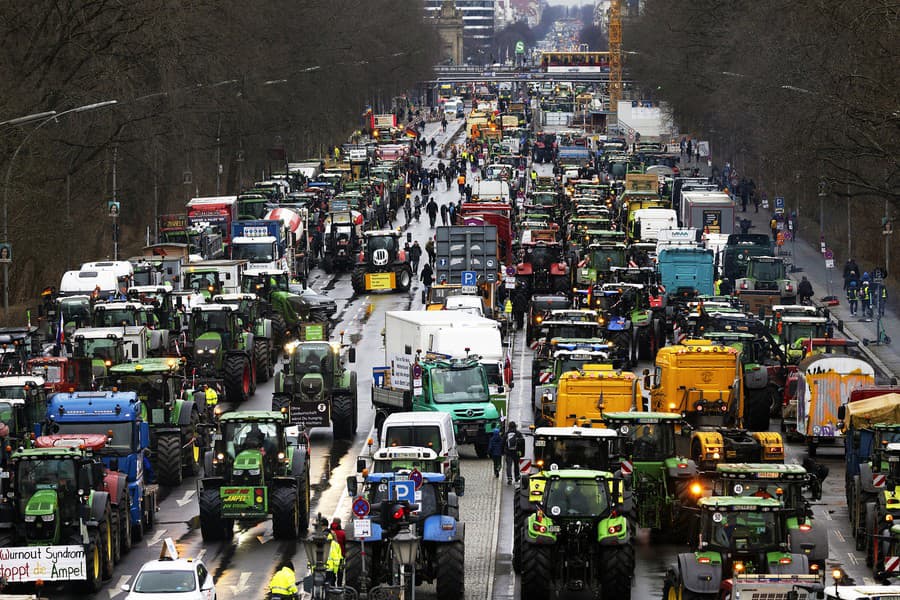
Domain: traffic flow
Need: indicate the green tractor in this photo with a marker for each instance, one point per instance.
(253, 470)
(223, 350)
(286, 309)
(60, 498)
(250, 309)
(737, 536)
(578, 539)
(664, 484)
(316, 389)
(176, 415)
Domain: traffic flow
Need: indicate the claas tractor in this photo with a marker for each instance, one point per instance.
(223, 350)
(735, 537)
(433, 519)
(382, 264)
(578, 539)
(60, 496)
(565, 355)
(255, 469)
(765, 283)
(786, 483)
(665, 485)
(177, 416)
(316, 389)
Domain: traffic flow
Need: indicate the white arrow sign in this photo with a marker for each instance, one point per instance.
(188, 495)
(157, 537)
(117, 589)
(242, 585)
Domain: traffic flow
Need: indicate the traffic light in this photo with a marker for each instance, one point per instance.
(395, 513)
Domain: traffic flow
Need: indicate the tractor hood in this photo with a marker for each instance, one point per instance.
(208, 348)
(248, 460)
(312, 385)
(42, 503)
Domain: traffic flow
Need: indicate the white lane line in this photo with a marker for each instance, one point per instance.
(868, 581)
(853, 558)
(839, 535)
(117, 589)
(188, 494)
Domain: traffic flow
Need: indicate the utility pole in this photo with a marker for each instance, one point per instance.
(115, 216)
(218, 154)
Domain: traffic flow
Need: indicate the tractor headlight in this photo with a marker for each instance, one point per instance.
(201, 351)
(237, 472)
(30, 518)
(253, 471)
(48, 518)
(212, 350)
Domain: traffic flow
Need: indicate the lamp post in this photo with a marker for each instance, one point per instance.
(314, 546)
(44, 118)
(406, 546)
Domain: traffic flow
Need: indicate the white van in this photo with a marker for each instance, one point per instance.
(432, 430)
(75, 283)
(123, 270)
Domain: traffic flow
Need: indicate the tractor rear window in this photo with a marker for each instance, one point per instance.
(768, 271)
(576, 498)
(386, 242)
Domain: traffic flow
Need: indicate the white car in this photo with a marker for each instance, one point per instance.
(182, 578)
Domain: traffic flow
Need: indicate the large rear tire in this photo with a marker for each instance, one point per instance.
(285, 513)
(279, 330)
(192, 447)
(617, 571)
(536, 570)
(263, 364)
(518, 524)
(450, 567)
(168, 460)
(237, 378)
(358, 280)
(681, 517)
(212, 525)
(93, 563)
(342, 418)
(404, 279)
(107, 546)
(124, 526)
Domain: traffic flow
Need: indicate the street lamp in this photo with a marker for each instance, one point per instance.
(406, 547)
(47, 117)
(314, 546)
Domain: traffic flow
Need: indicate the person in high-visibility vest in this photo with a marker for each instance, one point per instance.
(284, 583)
(212, 396)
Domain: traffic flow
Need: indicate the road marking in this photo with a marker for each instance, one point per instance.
(117, 589)
(188, 494)
(201, 554)
(838, 534)
(157, 538)
(853, 558)
(242, 583)
(868, 581)
(262, 539)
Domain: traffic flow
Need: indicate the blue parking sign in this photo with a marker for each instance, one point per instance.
(402, 490)
(469, 278)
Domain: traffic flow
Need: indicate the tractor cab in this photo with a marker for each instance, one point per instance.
(116, 314)
(646, 436)
(250, 447)
(46, 489)
(573, 448)
(206, 282)
(220, 319)
(263, 283)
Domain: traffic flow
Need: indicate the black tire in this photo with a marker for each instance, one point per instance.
(518, 530)
(124, 526)
(106, 532)
(536, 571)
(212, 525)
(328, 264)
(354, 401)
(193, 446)
(237, 377)
(279, 330)
(263, 364)
(404, 280)
(450, 568)
(353, 567)
(811, 448)
(168, 460)
(116, 533)
(343, 421)
(358, 280)
(150, 515)
(93, 563)
(303, 499)
(481, 445)
(285, 513)
(280, 401)
(681, 518)
(617, 571)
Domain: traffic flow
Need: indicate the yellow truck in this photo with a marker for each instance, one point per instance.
(583, 396)
(704, 382)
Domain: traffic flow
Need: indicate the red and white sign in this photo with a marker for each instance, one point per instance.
(524, 466)
(627, 467)
(534, 345)
(878, 480)
(892, 564)
(544, 377)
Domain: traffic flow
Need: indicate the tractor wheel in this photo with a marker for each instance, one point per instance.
(116, 534)
(404, 279)
(303, 491)
(536, 572)
(168, 460)
(342, 418)
(358, 280)
(93, 563)
(107, 549)
(355, 565)
(150, 516)
(137, 529)
(192, 447)
(450, 567)
(263, 366)
(617, 571)
(328, 264)
(212, 525)
(354, 401)
(237, 377)
(124, 526)
(481, 445)
(870, 517)
(280, 401)
(279, 329)
(253, 374)
(285, 513)
(518, 528)
(682, 518)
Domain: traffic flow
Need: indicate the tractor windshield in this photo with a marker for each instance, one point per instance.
(420, 436)
(742, 530)
(604, 258)
(382, 242)
(576, 498)
(149, 388)
(767, 271)
(100, 348)
(122, 441)
(312, 358)
(210, 320)
(8, 415)
(652, 442)
(75, 311)
(251, 436)
(581, 453)
(118, 317)
(541, 257)
(202, 282)
(45, 474)
(573, 330)
(791, 493)
(459, 385)
(13, 392)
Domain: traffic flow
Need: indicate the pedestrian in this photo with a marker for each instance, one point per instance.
(444, 215)
(495, 451)
(852, 297)
(697, 153)
(444, 124)
(415, 255)
(432, 145)
(429, 249)
(745, 225)
(744, 191)
(520, 304)
(690, 149)
(804, 291)
(513, 449)
(427, 279)
(451, 212)
(882, 299)
(335, 562)
(468, 192)
(339, 534)
(773, 225)
(683, 145)
(432, 209)
(461, 182)
(850, 269)
(283, 584)
(725, 287)
(865, 298)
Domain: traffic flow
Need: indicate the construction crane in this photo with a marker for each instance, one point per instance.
(615, 54)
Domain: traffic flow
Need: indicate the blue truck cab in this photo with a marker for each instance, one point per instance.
(686, 271)
(120, 417)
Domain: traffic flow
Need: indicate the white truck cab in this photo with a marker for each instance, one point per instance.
(417, 430)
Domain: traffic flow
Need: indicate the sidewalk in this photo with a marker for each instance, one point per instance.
(807, 257)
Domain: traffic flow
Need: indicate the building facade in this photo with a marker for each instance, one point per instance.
(478, 27)
(450, 27)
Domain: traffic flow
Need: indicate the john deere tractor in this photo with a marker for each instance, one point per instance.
(737, 536)
(316, 389)
(250, 309)
(223, 350)
(286, 309)
(253, 470)
(578, 539)
(382, 264)
(176, 416)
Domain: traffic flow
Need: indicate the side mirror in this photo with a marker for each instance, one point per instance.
(125, 587)
(842, 412)
(452, 500)
(360, 464)
(352, 486)
(135, 350)
(351, 355)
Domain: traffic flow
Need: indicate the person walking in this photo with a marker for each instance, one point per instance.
(773, 225)
(444, 215)
(429, 249)
(495, 451)
(415, 255)
(283, 584)
(804, 291)
(427, 279)
(864, 299)
(432, 145)
(852, 297)
(513, 446)
(851, 271)
(461, 182)
(451, 213)
(690, 150)
(432, 209)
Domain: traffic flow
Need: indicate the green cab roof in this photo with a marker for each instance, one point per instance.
(739, 503)
(147, 365)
